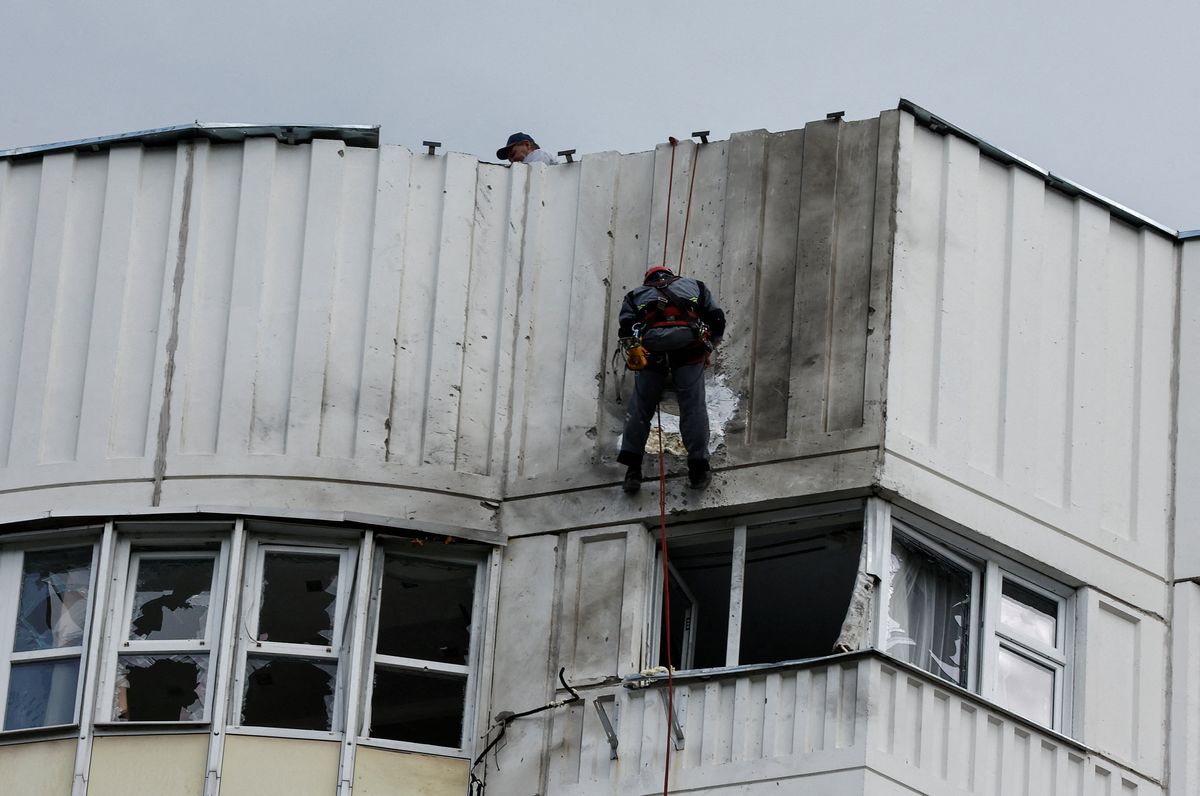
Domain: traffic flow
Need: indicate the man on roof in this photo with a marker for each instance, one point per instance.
(675, 320)
(521, 148)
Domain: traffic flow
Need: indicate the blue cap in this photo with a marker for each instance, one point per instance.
(515, 138)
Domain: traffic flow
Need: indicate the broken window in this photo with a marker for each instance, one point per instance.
(161, 671)
(295, 693)
(970, 619)
(423, 638)
(49, 617)
(931, 610)
(765, 593)
(292, 642)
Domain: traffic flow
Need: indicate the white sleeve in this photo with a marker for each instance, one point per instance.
(540, 156)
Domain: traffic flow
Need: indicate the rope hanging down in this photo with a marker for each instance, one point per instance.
(662, 467)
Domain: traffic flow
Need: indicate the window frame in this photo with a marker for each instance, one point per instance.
(829, 514)
(994, 568)
(116, 642)
(12, 565)
(248, 617)
(372, 658)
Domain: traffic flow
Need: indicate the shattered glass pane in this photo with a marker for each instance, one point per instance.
(420, 707)
(171, 599)
(52, 608)
(298, 598)
(425, 609)
(929, 611)
(295, 693)
(42, 694)
(160, 688)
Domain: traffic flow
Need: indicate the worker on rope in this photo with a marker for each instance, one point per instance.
(521, 148)
(668, 327)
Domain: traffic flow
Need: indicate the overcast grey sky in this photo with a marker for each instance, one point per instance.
(1099, 92)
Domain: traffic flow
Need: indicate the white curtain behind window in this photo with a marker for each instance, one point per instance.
(929, 611)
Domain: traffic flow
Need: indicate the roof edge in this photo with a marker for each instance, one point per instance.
(353, 135)
(1060, 184)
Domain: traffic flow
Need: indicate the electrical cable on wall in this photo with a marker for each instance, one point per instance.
(504, 718)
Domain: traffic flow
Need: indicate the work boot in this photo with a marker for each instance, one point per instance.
(699, 474)
(633, 480)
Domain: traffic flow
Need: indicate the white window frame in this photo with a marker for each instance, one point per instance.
(1055, 658)
(336, 652)
(470, 669)
(12, 561)
(124, 589)
(884, 519)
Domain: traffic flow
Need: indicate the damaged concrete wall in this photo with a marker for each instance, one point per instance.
(321, 328)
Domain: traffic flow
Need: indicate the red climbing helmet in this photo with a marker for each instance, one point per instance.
(654, 270)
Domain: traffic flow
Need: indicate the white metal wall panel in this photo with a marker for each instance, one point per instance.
(769, 728)
(1122, 685)
(1187, 448)
(1031, 352)
(776, 727)
(939, 741)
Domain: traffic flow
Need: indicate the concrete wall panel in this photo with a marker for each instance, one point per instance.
(282, 310)
(605, 602)
(379, 772)
(148, 765)
(295, 768)
(42, 767)
(1121, 684)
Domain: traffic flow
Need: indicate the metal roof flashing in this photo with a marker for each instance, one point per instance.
(352, 135)
(1060, 184)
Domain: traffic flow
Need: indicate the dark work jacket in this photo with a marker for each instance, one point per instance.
(643, 302)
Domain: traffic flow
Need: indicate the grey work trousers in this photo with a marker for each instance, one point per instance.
(648, 386)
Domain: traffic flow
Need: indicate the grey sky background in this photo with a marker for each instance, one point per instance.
(1101, 92)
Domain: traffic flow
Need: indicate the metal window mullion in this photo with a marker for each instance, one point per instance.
(278, 649)
(989, 665)
(737, 583)
(1025, 648)
(10, 573)
(88, 666)
(222, 696)
(361, 600)
(51, 654)
(168, 647)
(474, 654)
(421, 665)
(878, 523)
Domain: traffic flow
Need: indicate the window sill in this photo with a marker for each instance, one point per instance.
(56, 733)
(414, 748)
(152, 727)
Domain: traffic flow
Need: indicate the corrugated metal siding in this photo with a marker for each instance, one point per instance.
(1031, 348)
(774, 727)
(379, 317)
